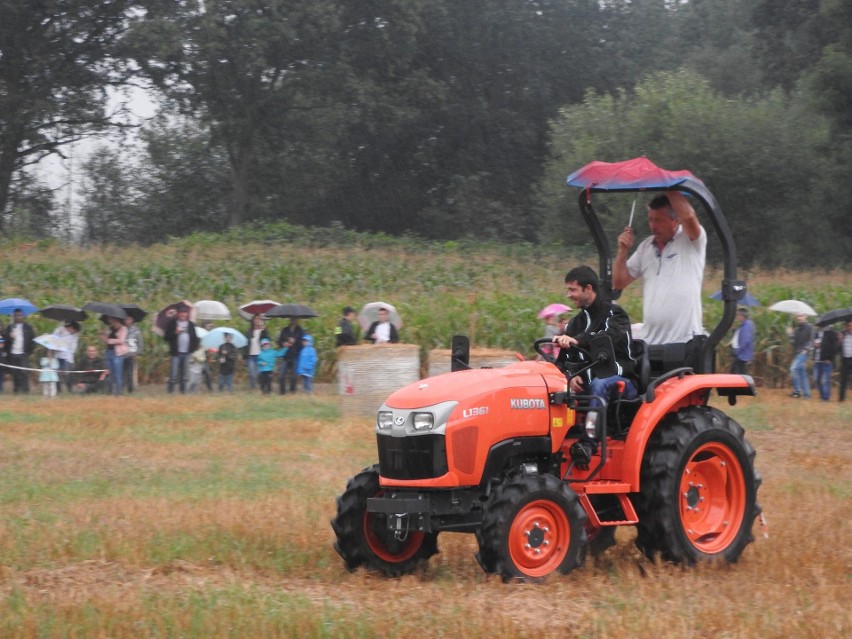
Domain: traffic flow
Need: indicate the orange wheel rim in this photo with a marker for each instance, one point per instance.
(539, 538)
(712, 498)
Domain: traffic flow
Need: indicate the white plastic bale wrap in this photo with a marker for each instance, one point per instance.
(367, 374)
(439, 359)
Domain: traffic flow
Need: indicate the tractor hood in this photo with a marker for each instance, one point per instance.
(464, 386)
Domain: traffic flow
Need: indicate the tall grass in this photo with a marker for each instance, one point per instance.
(489, 292)
(146, 516)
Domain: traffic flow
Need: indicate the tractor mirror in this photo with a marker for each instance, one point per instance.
(460, 353)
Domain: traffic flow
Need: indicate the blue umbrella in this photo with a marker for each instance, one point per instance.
(747, 300)
(216, 337)
(11, 304)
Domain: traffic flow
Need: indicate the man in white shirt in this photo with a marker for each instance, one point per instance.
(382, 331)
(671, 265)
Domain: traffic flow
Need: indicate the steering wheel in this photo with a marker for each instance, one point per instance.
(562, 360)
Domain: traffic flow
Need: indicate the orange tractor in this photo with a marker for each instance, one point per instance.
(542, 475)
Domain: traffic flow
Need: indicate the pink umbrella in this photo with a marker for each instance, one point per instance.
(553, 309)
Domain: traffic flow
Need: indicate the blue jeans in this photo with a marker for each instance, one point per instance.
(178, 372)
(226, 381)
(115, 365)
(251, 365)
(822, 378)
(307, 383)
(605, 386)
(799, 373)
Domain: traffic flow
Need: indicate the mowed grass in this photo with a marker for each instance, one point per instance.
(208, 516)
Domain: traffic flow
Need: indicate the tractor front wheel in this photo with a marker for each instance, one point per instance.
(533, 525)
(363, 538)
(698, 498)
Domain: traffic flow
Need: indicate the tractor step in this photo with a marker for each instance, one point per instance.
(623, 500)
(602, 487)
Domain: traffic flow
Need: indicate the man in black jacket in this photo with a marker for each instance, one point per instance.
(19, 344)
(344, 334)
(183, 341)
(598, 316)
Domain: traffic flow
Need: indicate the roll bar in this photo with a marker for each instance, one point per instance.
(733, 289)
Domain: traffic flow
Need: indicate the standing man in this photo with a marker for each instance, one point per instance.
(671, 265)
(598, 316)
(344, 333)
(846, 360)
(802, 339)
(183, 341)
(69, 332)
(134, 347)
(19, 338)
(825, 348)
(290, 337)
(743, 343)
(382, 331)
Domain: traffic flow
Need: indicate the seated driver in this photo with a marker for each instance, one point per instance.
(598, 316)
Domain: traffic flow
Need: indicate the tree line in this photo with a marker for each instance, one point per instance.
(437, 118)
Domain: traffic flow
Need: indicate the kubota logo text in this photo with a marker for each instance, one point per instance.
(527, 404)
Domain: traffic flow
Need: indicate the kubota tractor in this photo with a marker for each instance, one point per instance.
(540, 477)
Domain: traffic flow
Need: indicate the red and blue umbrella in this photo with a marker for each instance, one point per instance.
(629, 175)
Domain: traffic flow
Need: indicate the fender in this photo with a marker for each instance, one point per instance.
(671, 396)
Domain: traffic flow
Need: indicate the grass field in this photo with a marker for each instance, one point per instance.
(208, 516)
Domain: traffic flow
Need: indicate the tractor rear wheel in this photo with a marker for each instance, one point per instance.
(698, 497)
(533, 525)
(363, 538)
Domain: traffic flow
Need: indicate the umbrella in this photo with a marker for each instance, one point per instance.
(630, 175)
(837, 315)
(211, 310)
(257, 307)
(747, 300)
(370, 313)
(113, 310)
(134, 311)
(53, 342)
(290, 310)
(795, 307)
(216, 337)
(553, 309)
(63, 313)
(11, 304)
(161, 318)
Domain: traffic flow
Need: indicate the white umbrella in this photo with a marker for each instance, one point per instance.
(53, 342)
(216, 337)
(794, 307)
(369, 313)
(211, 310)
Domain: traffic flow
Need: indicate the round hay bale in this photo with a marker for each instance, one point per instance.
(368, 373)
(439, 359)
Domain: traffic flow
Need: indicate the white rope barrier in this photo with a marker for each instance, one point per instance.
(61, 372)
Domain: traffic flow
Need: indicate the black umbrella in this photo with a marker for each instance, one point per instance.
(63, 313)
(290, 310)
(113, 310)
(136, 312)
(837, 315)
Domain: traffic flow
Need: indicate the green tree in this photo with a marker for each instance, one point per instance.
(739, 147)
(57, 61)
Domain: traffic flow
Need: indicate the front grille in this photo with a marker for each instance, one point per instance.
(419, 457)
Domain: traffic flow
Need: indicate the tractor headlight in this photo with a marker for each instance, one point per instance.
(423, 421)
(384, 421)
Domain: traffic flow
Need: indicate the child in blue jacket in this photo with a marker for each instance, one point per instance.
(306, 366)
(266, 363)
